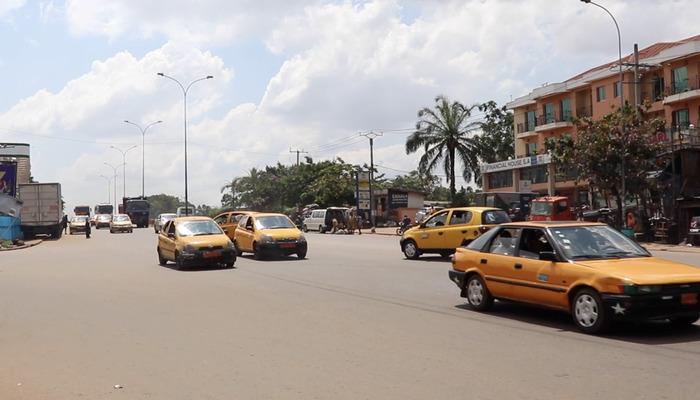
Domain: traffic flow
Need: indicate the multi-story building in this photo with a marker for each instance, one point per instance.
(669, 80)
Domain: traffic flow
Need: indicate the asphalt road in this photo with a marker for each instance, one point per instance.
(353, 321)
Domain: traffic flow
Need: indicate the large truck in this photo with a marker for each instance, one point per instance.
(516, 204)
(104, 209)
(42, 209)
(137, 208)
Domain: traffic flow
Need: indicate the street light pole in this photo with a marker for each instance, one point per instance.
(123, 164)
(623, 189)
(114, 169)
(371, 136)
(109, 188)
(184, 93)
(143, 152)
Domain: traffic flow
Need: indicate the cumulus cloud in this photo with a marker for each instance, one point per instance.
(6, 6)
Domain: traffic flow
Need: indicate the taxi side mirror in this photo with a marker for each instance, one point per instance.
(548, 256)
(422, 225)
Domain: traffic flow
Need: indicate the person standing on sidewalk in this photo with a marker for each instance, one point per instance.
(64, 223)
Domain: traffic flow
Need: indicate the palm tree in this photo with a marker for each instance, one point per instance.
(444, 134)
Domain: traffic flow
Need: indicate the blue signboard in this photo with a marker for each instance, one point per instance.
(8, 179)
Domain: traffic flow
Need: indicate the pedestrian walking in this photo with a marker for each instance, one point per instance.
(87, 228)
(64, 223)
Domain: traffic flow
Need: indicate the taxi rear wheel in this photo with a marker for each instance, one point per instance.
(590, 315)
(410, 250)
(478, 295)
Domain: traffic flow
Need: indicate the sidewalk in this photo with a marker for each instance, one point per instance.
(27, 244)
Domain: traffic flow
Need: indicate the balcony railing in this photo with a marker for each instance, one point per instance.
(686, 136)
(684, 85)
(523, 127)
(552, 118)
(583, 112)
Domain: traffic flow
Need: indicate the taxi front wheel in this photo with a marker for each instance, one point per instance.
(590, 315)
(161, 260)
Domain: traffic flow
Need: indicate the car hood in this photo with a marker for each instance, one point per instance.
(279, 234)
(205, 240)
(646, 270)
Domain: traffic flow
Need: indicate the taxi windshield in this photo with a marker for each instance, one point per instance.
(273, 222)
(591, 242)
(198, 228)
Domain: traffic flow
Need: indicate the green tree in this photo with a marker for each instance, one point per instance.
(603, 145)
(496, 140)
(163, 203)
(445, 135)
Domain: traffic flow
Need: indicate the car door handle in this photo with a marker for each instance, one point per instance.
(483, 261)
(439, 233)
(464, 231)
(518, 266)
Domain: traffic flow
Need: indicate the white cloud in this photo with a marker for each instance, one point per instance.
(200, 22)
(7, 6)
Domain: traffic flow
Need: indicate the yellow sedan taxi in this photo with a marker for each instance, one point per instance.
(590, 270)
(194, 241)
(448, 229)
(267, 233)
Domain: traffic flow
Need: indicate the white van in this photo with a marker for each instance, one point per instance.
(322, 220)
(181, 211)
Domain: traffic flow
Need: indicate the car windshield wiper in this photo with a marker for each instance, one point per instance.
(203, 233)
(589, 256)
(622, 253)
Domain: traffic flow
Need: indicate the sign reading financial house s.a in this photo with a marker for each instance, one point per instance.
(516, 163)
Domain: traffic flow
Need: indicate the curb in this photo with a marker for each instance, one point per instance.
(27, 245)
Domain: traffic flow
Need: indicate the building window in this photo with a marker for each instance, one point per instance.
(565, 107)
(536, 174)
(565, 173)
(600, 93)
(681, 118)
(530, 149)
(500, 179)
(680, 79)
(530, 121)
(617, 89)
(548, 113)
(658, 89)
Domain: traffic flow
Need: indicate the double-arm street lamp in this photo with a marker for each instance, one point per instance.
(623, 188)
(184, 103)
(143, 151)
(123, 164)
(114, 170)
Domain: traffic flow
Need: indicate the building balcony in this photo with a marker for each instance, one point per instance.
(684, 90)
(550, 122)
(524, 130)
(584, 112)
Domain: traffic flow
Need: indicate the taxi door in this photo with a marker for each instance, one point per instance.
(497, 262)
(431, 234)
(244, 233)
(166, 242)
(535, 280)
(460, 229)
(224, 221)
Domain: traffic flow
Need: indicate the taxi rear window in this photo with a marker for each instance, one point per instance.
(494, 217)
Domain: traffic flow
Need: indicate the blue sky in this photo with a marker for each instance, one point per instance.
(306, 74)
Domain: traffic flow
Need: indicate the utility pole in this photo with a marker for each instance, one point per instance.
(371, 136)
(298, 152)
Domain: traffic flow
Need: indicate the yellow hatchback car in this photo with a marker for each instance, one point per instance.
(268, 233)
(587, 269)
(448, 229)
(194, 241)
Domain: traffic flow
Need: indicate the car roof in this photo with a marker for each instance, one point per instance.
(192, 218)
(120, 215)
(269, 214)
(551, 224)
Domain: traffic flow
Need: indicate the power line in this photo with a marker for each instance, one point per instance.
(298, 152)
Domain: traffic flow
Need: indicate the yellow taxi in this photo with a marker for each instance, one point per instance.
(447, 229)
(228, 221)
(268, 233)
(194, 241)
(590, 270)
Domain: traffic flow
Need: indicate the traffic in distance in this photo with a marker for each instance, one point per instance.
(587, 269)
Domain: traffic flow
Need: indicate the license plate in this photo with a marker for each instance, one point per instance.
(689, 298)
(287, 245)
(211, 254)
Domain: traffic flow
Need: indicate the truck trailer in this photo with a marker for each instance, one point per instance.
(42, 209)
